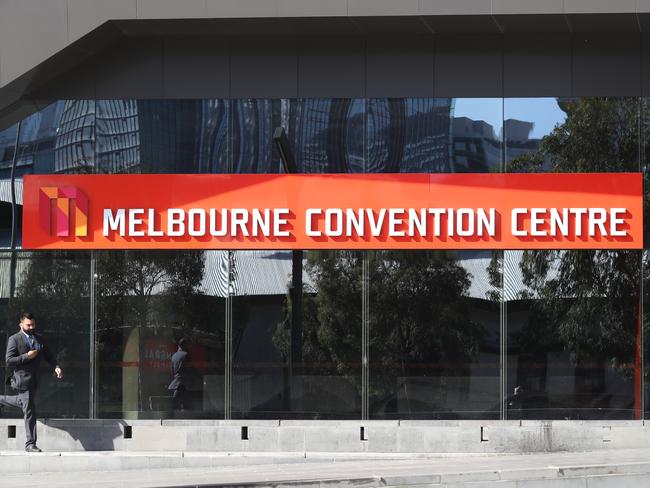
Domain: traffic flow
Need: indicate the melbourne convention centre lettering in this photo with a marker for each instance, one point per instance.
(337, 222)
(400, 211)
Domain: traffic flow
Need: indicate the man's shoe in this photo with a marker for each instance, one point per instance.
(32, 449)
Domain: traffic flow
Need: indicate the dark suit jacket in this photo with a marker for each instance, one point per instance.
(22, 371)
(178, 362)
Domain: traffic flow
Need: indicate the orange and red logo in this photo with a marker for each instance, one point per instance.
(60, 205)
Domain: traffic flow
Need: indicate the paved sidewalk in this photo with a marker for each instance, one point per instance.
(624, 468)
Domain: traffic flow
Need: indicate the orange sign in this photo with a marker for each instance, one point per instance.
(334, 211)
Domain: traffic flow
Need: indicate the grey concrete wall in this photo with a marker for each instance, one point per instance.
(311, 436)
(467, 65)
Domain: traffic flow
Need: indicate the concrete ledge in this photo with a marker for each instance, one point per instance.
(391, 437)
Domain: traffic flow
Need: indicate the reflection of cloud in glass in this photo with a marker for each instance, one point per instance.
(543, 112)
(486, 109)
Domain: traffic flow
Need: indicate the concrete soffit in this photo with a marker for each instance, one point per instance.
(24, 79)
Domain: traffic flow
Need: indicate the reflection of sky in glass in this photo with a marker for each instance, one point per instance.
(357, 105)
(543, 112)
(486, 109)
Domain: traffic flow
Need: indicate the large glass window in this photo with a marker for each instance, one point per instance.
(163, 136)
(290, 357)
(338, 334)
(55, 287)
(434, 335)
(296, 339)
(252, 124)
(572, 316)
(641, 382)
(433, 316)
(434, 135)
(58, 139)
(327, 135)
(146, 303)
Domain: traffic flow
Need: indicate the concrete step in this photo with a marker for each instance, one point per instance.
(74, 461)
(628, 468)
(350, 475)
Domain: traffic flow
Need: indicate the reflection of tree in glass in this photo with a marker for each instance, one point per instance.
(137, 290)
(143, 276)
(331, 335)
(55, 286)
(586, 302)
(419, 322)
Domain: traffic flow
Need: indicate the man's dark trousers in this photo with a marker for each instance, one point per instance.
(24, 400)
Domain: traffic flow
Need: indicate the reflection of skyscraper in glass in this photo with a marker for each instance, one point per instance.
(309, 121)
(213, 154)
(475, 146)
(408, 135)
(117, 136)
(252, 124)
(75, 138)
(162, 136)
(427, 135)
(327, 135)
(518, 130)
(518, 138)
(181, 136)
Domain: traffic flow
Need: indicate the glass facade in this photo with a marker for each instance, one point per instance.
(434, 336)
(56, 287)
(573, 317)
(296, 355)
(336, 334)
(144, 303)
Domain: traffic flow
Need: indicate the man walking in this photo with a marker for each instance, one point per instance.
(25, 350)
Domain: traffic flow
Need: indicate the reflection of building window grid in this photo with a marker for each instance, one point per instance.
(7, 139)
(118, 136)
(409, 135)
(252, 130)
(38, 134)
(74, 141)
(311, 134)
(212, 136)
(328, 134)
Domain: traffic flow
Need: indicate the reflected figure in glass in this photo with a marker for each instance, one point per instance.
(146, 302)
